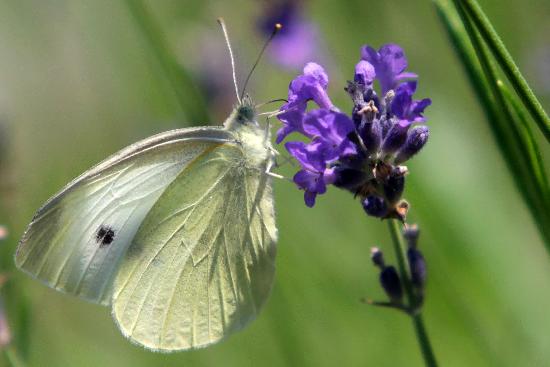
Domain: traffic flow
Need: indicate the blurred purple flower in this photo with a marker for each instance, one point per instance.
(298, 40)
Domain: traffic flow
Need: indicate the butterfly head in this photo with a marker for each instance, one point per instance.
(245, 113)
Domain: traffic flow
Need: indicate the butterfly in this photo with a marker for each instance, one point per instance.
(176, 233)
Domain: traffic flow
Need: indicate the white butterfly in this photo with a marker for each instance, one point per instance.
(176, 233)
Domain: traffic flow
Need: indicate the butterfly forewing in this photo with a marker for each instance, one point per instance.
(202, 263)
(76, 240)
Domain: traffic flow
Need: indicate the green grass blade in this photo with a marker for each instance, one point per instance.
(508, 65)
(514, 144)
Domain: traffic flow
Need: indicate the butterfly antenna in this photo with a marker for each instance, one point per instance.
(226, 36)
(276, 29)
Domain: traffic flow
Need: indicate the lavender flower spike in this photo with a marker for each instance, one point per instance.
(298, 40)
(358, 152)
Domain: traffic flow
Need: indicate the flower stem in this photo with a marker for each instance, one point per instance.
(404, 272)
(507, 63)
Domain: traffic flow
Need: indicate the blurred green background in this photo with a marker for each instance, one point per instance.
(78, 81)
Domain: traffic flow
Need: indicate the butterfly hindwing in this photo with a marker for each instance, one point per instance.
(76, 240)
(202, 263)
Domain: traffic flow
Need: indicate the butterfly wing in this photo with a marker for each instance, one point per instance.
(76, 240)
(202, 263)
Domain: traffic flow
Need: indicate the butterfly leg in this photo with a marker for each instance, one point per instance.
(268, 172)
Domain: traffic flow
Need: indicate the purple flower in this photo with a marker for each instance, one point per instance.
(359, 153)
(389, 63)
(332, 130)
(314, 175)
(329, 131)
(310, 86)
(405, 108)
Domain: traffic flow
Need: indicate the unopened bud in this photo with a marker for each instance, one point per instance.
(389, 279)
(417, 265)
(411, 233)
(375, 206)
(377, 257)
(394, 186)
(416, 139)
(349, 178)
(396, 137)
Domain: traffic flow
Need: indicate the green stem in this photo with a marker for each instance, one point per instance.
(404, 272)
(187, 94)
(507, 63)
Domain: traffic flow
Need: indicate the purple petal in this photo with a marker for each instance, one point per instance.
(328, 125)
(315, 70)
(393, 57)
(292, 120)
(389, 64)
(307, 87)
(310, 156)
(418, 107)
(309, 198)
(403, 105)
(312, 183)
(370, 54)
(364, 73)
(309, 181)
(401, 102)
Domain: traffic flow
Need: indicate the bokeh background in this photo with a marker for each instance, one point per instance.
(79, 80)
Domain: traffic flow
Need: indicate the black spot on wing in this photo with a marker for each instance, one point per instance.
(105, 235)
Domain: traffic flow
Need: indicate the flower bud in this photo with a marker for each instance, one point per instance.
(417, 265)
(411, 233)
(371, 134)
(364, 73)
(389, 279)
(394, 186)
(396, 137)
(377, 257)
(375, 206)
(349, 178)
(416, 139)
